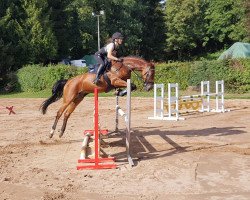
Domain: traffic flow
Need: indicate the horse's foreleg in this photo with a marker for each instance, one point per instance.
(69, 110)
(120, 83)
(117, 82)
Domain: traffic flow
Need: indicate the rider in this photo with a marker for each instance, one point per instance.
(104, 55)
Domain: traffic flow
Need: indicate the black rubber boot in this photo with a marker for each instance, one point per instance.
(99, 74)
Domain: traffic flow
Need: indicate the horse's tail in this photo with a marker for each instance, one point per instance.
(57, 92)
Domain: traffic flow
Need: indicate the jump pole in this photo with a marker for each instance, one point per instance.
(205, 95)
(220, 107)
(127, 118)
(159, 112)
(158, 102)
(97, 162)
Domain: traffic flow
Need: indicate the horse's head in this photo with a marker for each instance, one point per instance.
(148, 74)
(146, 68)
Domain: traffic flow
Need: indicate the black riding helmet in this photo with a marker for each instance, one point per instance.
(117, 35)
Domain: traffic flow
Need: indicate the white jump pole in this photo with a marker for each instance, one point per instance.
(158, 109)
(127, 118)
(220, 97)
(205, 92)
(128, 122)
(173, 99)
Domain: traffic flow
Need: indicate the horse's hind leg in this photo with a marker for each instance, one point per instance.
(69, 110)
(58, 115)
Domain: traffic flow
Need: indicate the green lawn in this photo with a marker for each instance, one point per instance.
(47, 93)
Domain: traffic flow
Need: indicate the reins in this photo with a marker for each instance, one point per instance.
(139, 77)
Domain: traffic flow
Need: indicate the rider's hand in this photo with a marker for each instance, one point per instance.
(119, 60)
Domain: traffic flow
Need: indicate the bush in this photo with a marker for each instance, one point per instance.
(57, 72)
(238, 78)
(177, 72)
(36, 77)
(208, 71)
(32, 78)
(235, 73)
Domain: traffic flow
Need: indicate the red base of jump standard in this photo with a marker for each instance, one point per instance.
(97, 162)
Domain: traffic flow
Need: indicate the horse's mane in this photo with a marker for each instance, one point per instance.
(139, 59)
(136, 58)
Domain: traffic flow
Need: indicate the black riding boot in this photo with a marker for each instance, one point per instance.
(99, 74)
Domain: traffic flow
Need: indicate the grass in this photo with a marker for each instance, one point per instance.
(47, 93)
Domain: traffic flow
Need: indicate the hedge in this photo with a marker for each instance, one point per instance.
(36, 77)
(235, 73)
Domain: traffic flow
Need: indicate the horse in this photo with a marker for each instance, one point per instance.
(75, 89)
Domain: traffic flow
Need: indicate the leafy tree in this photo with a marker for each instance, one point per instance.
(141, 22)
(60, 17)
(153, 30)
(13, 44)
(82, 29)
(185, 27)
(119, 16)
(42, 42)
(226, 22)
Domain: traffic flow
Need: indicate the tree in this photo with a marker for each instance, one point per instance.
(82, 28)
(153, 30)
(226, 22)
(42, 42)
(13, 44)
(59, 17)
(185, 27)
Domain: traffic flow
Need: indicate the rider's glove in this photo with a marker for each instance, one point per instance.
(119, 60)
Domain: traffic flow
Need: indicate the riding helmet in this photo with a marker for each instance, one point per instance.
(117, 35)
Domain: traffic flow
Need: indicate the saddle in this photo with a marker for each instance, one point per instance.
(93, 70)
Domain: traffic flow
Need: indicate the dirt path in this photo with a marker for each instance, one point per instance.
(207, 156)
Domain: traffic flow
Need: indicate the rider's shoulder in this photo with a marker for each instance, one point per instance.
(111, 45)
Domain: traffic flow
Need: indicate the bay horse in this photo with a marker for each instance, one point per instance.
(75, 89)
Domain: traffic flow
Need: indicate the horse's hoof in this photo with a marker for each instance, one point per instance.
(60, 135)
(133, 86)
(51, 133)
(123, 93)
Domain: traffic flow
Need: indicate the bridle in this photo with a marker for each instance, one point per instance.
(140, 77)
(147, 73)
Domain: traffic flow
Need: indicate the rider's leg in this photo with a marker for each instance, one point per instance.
(100, 70)
(99, 73)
